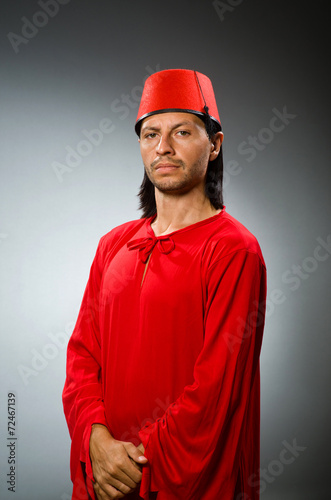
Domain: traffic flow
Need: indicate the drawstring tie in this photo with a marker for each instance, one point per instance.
(146, 245)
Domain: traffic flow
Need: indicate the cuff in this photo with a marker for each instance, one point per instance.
(147, 486)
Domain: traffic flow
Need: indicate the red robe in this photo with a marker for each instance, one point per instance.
(166, 351)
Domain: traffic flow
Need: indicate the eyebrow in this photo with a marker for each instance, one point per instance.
(146, 127)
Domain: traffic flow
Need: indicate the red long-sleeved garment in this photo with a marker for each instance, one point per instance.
(165, 352)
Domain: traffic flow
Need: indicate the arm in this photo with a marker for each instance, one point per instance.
(82, 393)
(83, 401)
(199, 437)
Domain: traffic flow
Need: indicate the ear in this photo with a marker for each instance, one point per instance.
(216, 143)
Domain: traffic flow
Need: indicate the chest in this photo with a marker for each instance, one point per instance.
(168, 278)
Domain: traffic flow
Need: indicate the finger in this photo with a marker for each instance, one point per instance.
(135, 464)
(117, 478)
(125, 471)
(132, 473)
(135, 453)
(120, 475)
(109, 493)
(119, 486)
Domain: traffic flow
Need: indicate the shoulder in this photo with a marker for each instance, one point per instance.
(231, 237)
(119, 233)
(121, 230)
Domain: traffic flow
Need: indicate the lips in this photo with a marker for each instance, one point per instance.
(166, 166)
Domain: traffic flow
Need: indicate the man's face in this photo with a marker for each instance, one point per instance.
(176, 150)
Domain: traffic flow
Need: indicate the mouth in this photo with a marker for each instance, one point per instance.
(166, 167)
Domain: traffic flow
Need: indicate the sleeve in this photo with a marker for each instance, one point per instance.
(82, 393)
(199, 436)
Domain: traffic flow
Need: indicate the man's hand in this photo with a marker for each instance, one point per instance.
(115, 464)
(141, 448)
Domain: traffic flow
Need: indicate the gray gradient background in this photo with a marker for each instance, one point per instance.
(70, 76)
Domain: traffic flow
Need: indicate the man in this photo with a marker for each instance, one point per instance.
(162, 391)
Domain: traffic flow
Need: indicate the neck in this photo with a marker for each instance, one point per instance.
(178, 211)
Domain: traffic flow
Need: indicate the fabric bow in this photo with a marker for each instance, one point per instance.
(146, 245)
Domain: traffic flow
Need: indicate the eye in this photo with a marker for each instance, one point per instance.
(183, 133)
(151, 135)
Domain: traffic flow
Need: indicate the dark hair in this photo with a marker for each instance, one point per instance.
(213, 184)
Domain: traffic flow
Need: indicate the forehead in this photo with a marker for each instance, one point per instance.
(171, 119)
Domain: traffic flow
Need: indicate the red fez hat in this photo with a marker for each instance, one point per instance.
(181, 90)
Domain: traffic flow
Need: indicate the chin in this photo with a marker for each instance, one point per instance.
(174, 188)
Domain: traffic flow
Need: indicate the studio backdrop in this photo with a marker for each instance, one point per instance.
(71, 77)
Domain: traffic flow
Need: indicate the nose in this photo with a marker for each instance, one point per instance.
(164, 146)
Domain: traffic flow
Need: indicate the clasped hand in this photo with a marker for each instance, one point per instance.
(115, 464)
